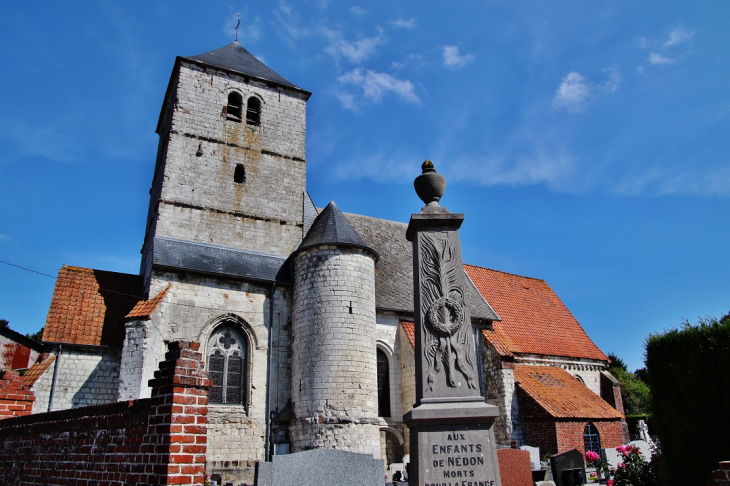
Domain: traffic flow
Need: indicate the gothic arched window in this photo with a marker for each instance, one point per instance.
(235, 106)
(383, 385)
(591, 439)
(253, 111)
(227, 365)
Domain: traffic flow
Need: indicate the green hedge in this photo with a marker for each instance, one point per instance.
(633, 421)
(689, 376)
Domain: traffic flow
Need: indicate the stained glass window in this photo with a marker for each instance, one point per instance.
(227, 358)
(591, 439)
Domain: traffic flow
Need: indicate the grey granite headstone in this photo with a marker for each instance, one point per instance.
(534, 456)
(613, 457)
(568, 468)
(644, 447)
(321, 467)
(451, 427)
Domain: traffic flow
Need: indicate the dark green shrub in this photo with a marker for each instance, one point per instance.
(689, 376)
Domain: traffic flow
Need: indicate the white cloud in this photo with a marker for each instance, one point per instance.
(576, 90)
(678, 36)
(405, 24)
(355, 51)
(375, 86)
(659, 59)
(357, 10)
(660, 181)
(572, 93)
(4, 237)
(452, 58)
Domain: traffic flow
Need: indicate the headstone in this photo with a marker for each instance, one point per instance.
(568, 468)
(451, 426)
(644, 447)
(613, 457)
(534, 456)
(514, 467)
(321, 467)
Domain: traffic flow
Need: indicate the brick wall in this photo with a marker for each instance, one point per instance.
(160, 440)
(570, 434)
(16, 399)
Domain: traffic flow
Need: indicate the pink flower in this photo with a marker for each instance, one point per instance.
(591, 456)
(609, 482)
(621, 465)
(621, 449)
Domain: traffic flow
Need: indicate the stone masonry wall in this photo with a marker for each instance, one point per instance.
(408, 379)
(334, 369)
(192, 309)
(198, 198)
(85, 377)
(161, 440)
(500, 388)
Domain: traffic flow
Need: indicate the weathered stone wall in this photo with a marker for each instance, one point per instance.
(85, 377)
(334, 386)
(499, 384)
(386, 331)
(194, 195)
(192, 309)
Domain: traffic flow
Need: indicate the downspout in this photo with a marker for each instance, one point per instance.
(267, 442)
(55, 375)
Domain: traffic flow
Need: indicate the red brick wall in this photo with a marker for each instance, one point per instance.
(16, 399)
(160, 440)
(570, 434)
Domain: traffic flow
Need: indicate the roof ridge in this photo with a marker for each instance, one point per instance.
(92, 270)
(373, 217)
(505, 273)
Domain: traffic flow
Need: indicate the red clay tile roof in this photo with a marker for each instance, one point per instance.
(145, 308)
(560, 394)
(88, 306)
(534, 319)
(35, 371)
(410, 330)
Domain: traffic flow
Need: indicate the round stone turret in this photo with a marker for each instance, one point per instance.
(334, 367)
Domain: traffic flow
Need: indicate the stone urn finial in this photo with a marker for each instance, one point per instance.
(430, 185)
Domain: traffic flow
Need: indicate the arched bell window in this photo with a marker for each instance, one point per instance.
(235, 106)
(253, 111)
(591, 439)
(227, 365)
(383, 385)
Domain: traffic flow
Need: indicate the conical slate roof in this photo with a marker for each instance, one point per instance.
(332, 228)
(234, 57)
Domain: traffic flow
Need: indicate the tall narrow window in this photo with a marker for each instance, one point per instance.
(253, 111)
(383, 385)
(235, 105)
(227, 358)
(239, 175)
(591, 439)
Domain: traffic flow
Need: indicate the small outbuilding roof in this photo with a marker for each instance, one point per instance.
(560, 394)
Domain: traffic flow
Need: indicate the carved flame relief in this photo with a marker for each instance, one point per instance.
(447, 340)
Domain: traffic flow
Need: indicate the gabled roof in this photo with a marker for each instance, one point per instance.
(234, 57)
(145, 308)
(35, 371)
(410, 330)
(560, 394)
(394, 269)
(331, 227)
(88, 306)
(534, 319)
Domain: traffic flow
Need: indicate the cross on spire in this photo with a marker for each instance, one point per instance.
(239, 23)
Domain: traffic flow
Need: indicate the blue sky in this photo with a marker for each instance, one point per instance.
(586, 142)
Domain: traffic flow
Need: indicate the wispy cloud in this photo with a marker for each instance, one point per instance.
(374, 85)
(354, 51)
(678, 36)
(357, 10)
(4, 237)
(656, 58)
(289, 25)
(405, 24)
(453, 59)
(660, 181)
(575, 90)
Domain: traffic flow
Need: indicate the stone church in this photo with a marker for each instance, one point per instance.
(304, 315)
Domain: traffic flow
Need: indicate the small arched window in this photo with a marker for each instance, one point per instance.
(591, 439)
(235, 106)
(239, 174)
(383, 385)
(227, 365)
(253, 111)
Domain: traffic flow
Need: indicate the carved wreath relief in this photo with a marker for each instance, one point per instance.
(447, 341)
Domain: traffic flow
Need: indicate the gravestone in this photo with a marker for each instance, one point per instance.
(534, 456)
(568, 468)
(644, 447)
(451, 427)
(514, 467)
(613, 457)
(321, 467)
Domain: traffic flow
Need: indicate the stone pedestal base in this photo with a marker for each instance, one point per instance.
(452, 444)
